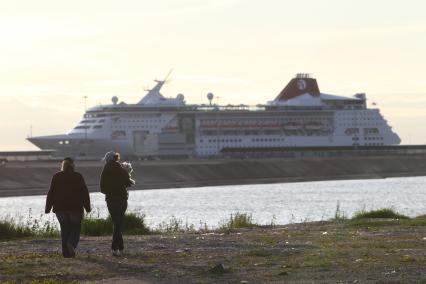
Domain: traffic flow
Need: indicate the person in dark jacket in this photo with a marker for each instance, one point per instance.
(114, 183)
(68, 195)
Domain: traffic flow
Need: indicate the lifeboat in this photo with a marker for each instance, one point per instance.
(292, 126)
(171, 129)
(313, 126)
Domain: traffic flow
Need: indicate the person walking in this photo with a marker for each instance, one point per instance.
(68, 195)
(114, 182)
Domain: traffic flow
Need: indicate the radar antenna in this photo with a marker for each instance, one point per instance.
(155, 91)
(166, 79)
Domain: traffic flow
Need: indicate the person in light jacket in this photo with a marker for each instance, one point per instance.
(68, 195)
(114, 182)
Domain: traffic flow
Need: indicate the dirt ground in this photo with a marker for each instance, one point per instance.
(376, 251)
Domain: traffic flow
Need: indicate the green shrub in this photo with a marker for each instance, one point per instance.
(133, 224)
(12, 229)
(9, 230)
(384, 213)
(96, 226)
(239, 220)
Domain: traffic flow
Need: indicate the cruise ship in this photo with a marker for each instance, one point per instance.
(158, 126)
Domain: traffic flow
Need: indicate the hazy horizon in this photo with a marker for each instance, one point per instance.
(55, 53)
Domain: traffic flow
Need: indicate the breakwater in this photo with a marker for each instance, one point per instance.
(33, 178)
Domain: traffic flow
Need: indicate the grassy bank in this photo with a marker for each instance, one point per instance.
(380, 246)
(134, 224)
(15, 229)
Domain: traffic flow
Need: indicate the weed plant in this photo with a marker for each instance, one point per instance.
(9, 230)
(134, 224)
(16, 229)
(239, 220)
(339, 215)
(384, 213)
(175, 225)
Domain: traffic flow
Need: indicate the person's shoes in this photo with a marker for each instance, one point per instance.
(71, 250)
(115, 252)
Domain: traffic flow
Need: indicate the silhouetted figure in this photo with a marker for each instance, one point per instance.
(114, 182)
(68, 195)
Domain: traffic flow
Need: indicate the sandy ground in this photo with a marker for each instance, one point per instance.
(377, 251)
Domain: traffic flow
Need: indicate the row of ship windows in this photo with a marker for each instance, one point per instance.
(373, 138)
(67, 142)
(240, 140)
(92, 115)
(367, 138)
(87, 127)
(135, 126)
(222, 140)
(250, 120)
(145, 116)
(369, 113)
(362, 124)
(143, 120)
(92, 121)
(358, 118)
(116, 127)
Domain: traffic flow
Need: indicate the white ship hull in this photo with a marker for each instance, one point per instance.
(157, 126)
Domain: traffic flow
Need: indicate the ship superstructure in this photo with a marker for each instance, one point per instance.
(156, 126)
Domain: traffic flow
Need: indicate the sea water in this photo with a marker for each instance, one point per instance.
(281, 203)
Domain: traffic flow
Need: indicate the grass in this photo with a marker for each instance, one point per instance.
(133, 224)
(238, 221)
(376, 218)
(175, 225)
(339, 215)
(417, 221)
(384, 213)
(12, 229)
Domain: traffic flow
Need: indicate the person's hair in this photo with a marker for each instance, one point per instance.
(67, 165)
(116, 157)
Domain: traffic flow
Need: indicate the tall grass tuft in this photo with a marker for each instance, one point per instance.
(134, 224)
(239, 220)
(175, 225)
(339, 215)
(384, 213)
(9, 230)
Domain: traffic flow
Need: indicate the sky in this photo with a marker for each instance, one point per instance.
(55, 52)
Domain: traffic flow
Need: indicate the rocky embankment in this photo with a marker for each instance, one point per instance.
(31, 178)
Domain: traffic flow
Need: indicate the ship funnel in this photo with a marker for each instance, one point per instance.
(301, 84)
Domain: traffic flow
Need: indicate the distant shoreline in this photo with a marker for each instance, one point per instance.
(33, 178)
(19, 192)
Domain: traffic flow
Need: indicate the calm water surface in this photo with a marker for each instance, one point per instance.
(284, 203)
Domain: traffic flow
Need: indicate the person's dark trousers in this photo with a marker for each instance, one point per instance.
(117, 207)
(70, 223)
